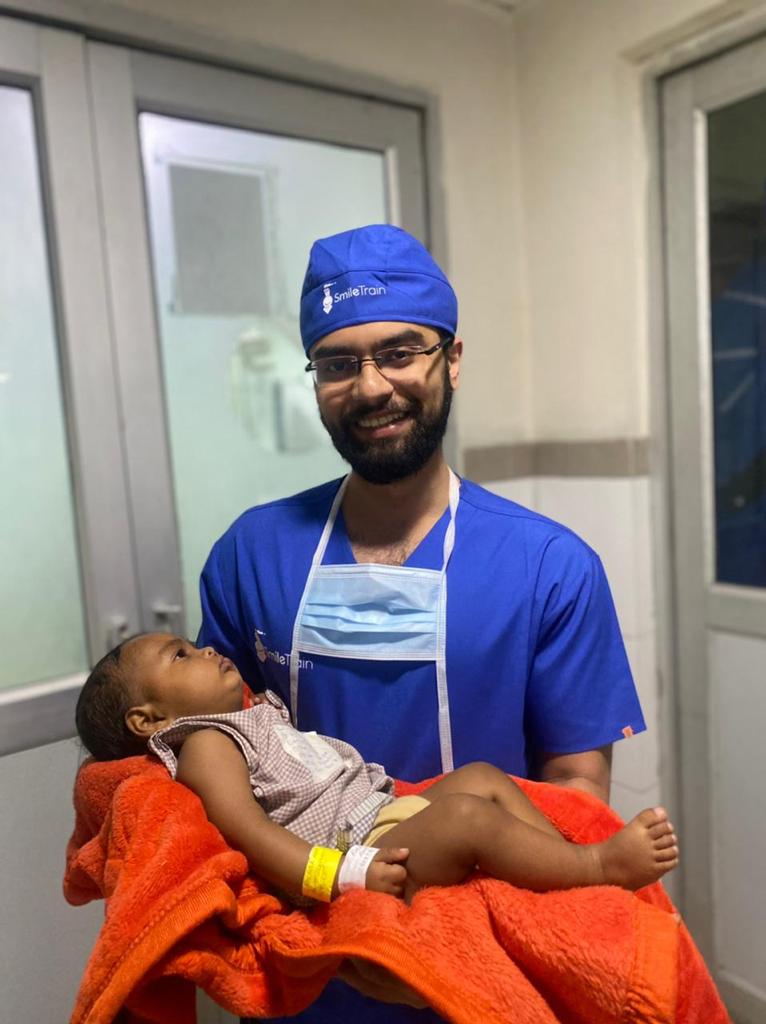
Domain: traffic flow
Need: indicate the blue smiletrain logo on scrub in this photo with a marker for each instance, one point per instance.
(264, 654)
(378, 273)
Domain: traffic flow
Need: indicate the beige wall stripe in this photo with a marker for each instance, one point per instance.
(612, 458)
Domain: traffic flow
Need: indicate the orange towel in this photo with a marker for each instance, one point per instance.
(181, 910)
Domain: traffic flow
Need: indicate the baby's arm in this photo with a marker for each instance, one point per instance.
(211, 764)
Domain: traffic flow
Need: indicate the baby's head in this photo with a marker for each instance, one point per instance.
(145, 684)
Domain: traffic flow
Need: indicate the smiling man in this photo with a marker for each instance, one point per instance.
(411, 613)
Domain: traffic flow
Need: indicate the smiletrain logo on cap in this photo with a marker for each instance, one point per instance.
(373, 273)
(329, 299)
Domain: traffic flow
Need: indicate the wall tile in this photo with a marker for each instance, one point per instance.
(522, 490)
(628, 802)
(635, 761)
(612, 515)
(642, 656)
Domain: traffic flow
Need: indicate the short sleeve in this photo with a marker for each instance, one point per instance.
(220, 628)
(581, 693)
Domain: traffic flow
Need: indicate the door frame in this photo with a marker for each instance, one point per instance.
(153, 34)
(689, 601)
(49, 63)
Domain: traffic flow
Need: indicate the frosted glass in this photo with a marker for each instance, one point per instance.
(42, 631)
(226, 206)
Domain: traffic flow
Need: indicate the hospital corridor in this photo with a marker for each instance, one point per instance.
(589, 176)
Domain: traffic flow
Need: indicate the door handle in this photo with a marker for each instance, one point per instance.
(167, 616)
(117, 630)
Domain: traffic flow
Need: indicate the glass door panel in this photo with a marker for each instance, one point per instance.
(737, 233)
(232, 215)
(214, 183)
(42, 626)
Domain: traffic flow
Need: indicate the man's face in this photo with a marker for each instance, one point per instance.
(387, 431)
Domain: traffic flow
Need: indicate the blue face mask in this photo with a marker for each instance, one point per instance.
(372, 612)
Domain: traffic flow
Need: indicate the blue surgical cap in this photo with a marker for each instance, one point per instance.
(378, 272)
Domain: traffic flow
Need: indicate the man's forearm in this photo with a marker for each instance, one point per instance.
(589, 771)
(599, 789)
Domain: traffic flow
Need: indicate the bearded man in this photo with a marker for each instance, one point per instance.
(407, 611)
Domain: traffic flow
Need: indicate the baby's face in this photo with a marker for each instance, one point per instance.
(181, 679)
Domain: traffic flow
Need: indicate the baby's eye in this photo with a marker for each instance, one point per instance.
(180, 653)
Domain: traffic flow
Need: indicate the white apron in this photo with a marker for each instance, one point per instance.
(377, 613)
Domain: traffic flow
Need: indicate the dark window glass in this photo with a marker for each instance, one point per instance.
(737, 219)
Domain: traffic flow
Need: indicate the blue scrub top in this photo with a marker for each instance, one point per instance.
(535, 659)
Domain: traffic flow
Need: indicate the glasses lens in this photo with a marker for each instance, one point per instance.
(335, 369)
(397, 362)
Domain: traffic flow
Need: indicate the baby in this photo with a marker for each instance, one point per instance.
(310, 815)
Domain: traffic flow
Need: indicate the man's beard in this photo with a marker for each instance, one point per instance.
(385, 461)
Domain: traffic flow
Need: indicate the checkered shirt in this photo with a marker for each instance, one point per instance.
(316, 786)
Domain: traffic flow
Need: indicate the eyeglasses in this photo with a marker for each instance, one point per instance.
(397, 364)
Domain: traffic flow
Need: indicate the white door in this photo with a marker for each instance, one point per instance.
(715, 218)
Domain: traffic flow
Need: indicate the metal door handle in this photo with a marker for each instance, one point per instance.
(117, 629)
(167, 615)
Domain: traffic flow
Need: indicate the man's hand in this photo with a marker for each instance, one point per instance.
(387, 872)
(378, 983)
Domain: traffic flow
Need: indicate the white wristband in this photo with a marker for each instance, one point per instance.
(353, 868)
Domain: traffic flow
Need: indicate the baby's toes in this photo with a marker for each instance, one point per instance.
(660, 829)
(668, 854)
(664, 842)
(653, 818)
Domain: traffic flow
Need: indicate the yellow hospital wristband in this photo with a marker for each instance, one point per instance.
(321, 869)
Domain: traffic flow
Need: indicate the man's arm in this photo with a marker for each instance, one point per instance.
(589, 771)
(211, 764)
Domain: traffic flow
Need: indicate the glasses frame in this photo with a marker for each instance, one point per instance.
(441, 345)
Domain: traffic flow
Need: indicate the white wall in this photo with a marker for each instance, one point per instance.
(43, 942)
(585, 170)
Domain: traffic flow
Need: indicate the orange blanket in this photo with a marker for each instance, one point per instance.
(182, 910)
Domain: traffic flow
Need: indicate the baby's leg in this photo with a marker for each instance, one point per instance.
(482, 779)
(459, 832)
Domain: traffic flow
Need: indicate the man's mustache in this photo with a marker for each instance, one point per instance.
(385, 408)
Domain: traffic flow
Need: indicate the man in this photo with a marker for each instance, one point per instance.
(417, 616)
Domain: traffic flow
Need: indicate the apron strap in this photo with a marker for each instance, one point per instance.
(442, 693)
(315, 561)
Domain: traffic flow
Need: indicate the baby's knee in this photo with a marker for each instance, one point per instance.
(466, 812)
(481, 777)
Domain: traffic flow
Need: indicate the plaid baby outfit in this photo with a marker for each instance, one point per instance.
(315, 786)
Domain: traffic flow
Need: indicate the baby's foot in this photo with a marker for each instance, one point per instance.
(640, 853)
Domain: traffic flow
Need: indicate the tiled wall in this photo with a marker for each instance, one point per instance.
(612, 514)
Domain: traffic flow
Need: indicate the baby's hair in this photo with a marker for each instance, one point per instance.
(100, 713)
